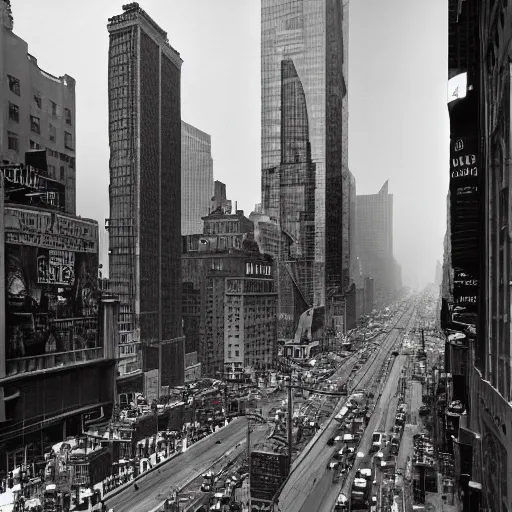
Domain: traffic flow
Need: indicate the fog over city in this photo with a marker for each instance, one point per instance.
(255, 256)
(398, 126)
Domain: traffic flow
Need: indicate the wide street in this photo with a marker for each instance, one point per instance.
(310, 485)
(156, 485)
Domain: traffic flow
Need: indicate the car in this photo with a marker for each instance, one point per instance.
(218, 442)
(331, 441)
(394, 353)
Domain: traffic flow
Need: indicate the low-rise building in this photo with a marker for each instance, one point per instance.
(58, 335)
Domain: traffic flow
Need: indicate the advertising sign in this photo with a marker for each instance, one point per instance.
(465, 221)
(457, 87)
(268, 472)
(50, 230)
(465, 288)
(56, 267)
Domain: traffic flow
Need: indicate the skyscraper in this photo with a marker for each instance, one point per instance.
(374, 227)
(145, 203)
(304, 47)
(196, 178)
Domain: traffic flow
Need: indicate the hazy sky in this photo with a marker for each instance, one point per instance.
(397, 100)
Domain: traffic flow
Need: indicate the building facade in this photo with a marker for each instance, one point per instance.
(374, 228)
(476, 276)
(236, 325)
(304, 49)
(196, 178)
(58, 337)
(145, 197)
(37, 110)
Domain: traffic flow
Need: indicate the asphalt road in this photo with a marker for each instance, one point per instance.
(155, 486)
(325, 496)
(310, 486)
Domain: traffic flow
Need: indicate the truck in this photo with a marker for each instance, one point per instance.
(359, 495)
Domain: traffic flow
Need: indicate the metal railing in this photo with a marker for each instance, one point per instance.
(52, 360)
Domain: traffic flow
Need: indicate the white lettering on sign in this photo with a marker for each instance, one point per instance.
(20, 175)
(459, 145)
(463, 173)
(464, 160)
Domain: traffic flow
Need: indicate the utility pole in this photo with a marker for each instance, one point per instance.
(249, 459)
(290, 414)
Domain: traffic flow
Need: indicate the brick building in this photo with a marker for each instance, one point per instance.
(231, 283)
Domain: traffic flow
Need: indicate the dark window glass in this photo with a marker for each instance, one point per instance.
(14, 112)
(14, 85)
(35, 124)
(13, 141)
(67, 115)
(68, 140)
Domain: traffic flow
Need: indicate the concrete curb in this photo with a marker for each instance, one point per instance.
(125, 486)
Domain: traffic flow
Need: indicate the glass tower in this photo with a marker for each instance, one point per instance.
(304, 149)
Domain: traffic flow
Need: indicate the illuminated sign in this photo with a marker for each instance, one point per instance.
(457, 87)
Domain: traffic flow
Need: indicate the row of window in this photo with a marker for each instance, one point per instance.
(53, 108)
(36, 128)
(13, 142)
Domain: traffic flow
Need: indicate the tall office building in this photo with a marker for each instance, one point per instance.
(304, 59)
(145, 203)
(374, 228)
(196, 178)
(37, 111)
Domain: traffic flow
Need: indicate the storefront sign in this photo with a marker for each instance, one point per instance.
(50, 230)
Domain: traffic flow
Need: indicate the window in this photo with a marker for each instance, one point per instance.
(37, 99)
(14, 85)
(53, 133)
(67, 115)
(34, 145)
(13, 141)
(35, 124)
(62, 173)
(53, 108)
(68, 140)
(51, 170)
(14, 112)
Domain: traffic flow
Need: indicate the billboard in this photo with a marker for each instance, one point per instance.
(457, 87)
(464, 217)
(51, 272)
(268, 473)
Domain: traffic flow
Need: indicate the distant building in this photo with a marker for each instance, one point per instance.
(368, 295)
(374, 227)
(196, 178)
(145, 198)
(237, 298)
(219, 199)
(37, 111)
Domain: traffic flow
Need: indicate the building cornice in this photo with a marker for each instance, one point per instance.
(150, 27)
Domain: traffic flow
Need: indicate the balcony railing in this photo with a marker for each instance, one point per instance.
(52, 361)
